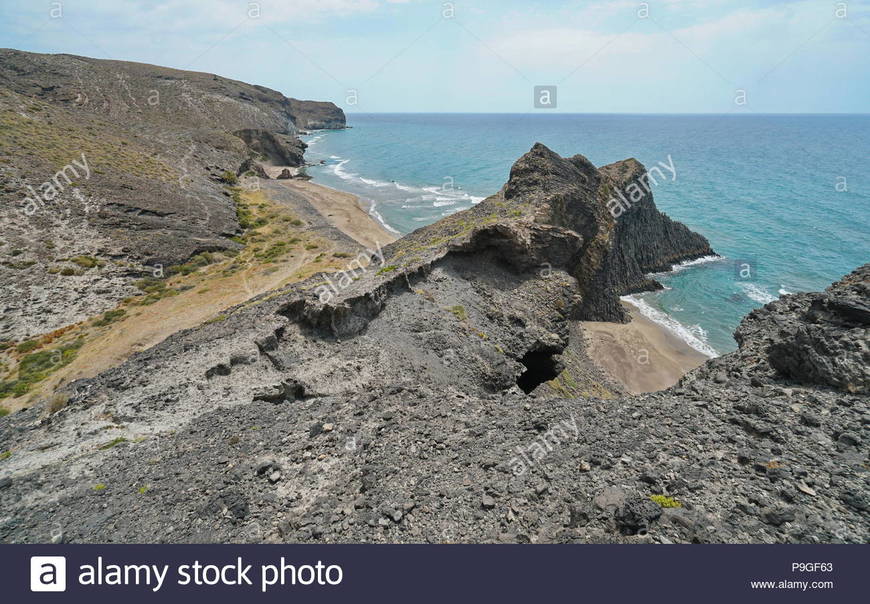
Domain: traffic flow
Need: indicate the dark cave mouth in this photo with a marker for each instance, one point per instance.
(541, 366)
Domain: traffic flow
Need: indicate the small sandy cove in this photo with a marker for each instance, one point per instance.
(641, 355)
(344, 212)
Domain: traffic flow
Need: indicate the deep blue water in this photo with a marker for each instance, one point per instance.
(763, 190)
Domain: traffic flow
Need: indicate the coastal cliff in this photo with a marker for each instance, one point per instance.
(113, 172)
(137, 92)
(439, 389)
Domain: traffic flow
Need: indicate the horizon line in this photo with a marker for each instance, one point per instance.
(546, 112)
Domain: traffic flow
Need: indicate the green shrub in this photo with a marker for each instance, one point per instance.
(666, 502)
(37, 366)
(194, 264)
(27, 346)
(109, 317)
(387, 269)
(86, 262)
(112, 443)
(459, 312)
(150, 285)
(229, 178)
(5, 455)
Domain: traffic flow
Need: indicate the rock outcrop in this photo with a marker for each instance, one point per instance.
(315, 115)
(620, 248)
(817, 338)
(273, 148)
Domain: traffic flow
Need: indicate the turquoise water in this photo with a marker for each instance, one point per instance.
(762, 189)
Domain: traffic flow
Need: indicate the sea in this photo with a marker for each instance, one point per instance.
(783, 199)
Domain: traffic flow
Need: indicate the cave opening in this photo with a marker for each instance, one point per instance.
(541, 366)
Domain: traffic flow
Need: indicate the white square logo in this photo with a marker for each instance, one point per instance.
(47, 573)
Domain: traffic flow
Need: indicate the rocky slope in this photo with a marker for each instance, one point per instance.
(111, 172)
(444, 394)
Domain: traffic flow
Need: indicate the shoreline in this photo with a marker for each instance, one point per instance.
(344, 211)
(641, 355)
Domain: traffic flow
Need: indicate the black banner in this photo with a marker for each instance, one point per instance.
(433, 573)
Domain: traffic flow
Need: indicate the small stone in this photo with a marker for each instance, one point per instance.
(487, 502)
(274, 477)
(328, 427)
(778, 515)
(266, 465)
(720, 378)
(610, 497)
(849, 439)
(584, 466)
(805, 489)
(810, 419)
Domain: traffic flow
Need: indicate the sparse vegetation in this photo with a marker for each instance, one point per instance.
(50, 140)
(229, 178)
(5, 455)
(99, 487)
(86, 262)
(387, 269)
(194, 264)
(36, 366)
(113, 442)
(27, 346)
(459, 312)
(109, 317)
(665, 501)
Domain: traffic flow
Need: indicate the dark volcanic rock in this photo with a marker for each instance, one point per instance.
(249, 165)
(817, 338)
(619, 247)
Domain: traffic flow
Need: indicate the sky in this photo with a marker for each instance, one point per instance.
(622, 56)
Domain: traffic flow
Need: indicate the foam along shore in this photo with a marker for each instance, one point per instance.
(642, 355)
(343, 211)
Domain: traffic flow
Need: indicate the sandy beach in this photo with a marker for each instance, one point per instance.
(641, 355)
(344, 212)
